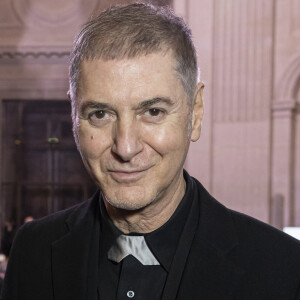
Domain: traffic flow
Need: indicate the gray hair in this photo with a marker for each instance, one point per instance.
(133, 30)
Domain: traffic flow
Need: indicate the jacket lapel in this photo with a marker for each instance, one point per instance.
(209, 275)
(75, 255)
(209, 271)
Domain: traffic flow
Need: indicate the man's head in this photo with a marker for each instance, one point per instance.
(135, 30)
(134, 113)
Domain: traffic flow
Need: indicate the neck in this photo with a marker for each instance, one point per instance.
(149, 218)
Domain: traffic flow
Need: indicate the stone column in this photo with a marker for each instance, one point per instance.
(283, 137)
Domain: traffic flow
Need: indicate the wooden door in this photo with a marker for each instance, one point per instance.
(42, 171)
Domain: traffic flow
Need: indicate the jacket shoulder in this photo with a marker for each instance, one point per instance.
(267, 258)
(247, 229)
(273, 241)
(53, 226)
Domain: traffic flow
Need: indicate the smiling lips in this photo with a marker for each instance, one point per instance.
(127, 176)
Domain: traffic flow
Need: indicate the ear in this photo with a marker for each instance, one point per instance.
(197, 113)
(69, 95)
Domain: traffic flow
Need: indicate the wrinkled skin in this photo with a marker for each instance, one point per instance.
(133, 131)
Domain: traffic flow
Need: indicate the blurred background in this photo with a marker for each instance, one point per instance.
(248, 156)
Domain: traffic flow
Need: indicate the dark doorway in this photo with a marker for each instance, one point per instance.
(42, 171)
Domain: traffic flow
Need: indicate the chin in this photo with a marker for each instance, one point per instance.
(121, 205)
(132, 202)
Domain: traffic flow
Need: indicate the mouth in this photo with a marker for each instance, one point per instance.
(127, 176)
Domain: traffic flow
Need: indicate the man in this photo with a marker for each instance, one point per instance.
(151, 231)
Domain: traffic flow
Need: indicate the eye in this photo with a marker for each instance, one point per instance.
(100, 114)
(154, 115)
(154, 112)
(99, 117)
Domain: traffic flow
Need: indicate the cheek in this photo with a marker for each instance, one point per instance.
(167, 139)
(92, 142)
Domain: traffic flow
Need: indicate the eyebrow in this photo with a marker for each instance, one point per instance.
(142, 105)
(93, 105)
(156, 100)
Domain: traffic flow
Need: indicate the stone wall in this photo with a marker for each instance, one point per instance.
(249, 154)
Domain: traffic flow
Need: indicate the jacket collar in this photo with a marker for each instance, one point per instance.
(74, 264)
(210, 273)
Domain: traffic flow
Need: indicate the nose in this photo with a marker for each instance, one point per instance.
(126, 142)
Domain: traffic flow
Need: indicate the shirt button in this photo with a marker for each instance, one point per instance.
(130, 294)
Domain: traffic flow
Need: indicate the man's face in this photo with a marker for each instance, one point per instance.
(132, 126)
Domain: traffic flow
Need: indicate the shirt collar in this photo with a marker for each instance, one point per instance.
(109, 232)
(162, 241)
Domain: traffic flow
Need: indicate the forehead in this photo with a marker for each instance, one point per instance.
(135, 78)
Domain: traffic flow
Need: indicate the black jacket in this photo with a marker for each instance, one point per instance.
(232, 256)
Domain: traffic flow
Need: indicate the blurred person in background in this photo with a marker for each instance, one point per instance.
(7, 237)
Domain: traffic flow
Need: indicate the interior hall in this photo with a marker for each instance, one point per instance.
(248, 155)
